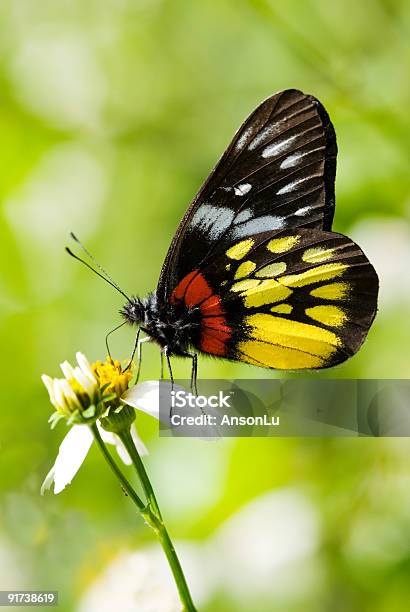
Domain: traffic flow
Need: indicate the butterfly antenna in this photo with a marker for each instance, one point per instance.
(103, 276)
(95, 262)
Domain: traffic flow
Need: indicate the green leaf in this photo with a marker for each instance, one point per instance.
(90, 412)
(54, 419)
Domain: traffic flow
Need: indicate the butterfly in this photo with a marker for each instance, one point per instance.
(254, 273)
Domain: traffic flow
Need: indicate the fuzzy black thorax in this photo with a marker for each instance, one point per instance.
(171, 326)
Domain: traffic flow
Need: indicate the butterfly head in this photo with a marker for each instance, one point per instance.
(133, 311)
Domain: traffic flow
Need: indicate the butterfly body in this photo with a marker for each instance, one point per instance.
(173, 328)
(254, 272)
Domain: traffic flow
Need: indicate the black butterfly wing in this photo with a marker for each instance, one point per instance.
(278, 172)
(292, 300)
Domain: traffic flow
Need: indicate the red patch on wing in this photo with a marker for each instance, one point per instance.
(179, 291)
(194, 290)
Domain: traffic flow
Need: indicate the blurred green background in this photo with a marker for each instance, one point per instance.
(112, 113)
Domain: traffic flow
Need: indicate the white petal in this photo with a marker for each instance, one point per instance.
(85, 382)
(107, 436)
(48, 481)
(144, 396)
(141, 448)
(67, 369)
(72, 452)
(122, 452)
(58, 387)
(48, 382)
(85, 367)
(111, 438)
(68, 393)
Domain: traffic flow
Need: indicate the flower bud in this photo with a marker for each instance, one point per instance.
(117, 422)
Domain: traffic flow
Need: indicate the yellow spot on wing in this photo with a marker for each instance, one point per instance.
(281, 245)
(245, 269)
(271, 270)
(240, 249)
(228, 267)
(314, 275)
(333, 291)
(267, 292)
(282, 308)
(278, 357)
(293, 334)
(318, 254)
(328, 315)
(245, 285)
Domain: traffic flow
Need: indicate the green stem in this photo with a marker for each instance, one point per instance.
(150, 512)
(175, 565)
(128, 442)
(158, 524)
(124, 482)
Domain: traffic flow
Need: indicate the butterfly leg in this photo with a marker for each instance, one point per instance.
(167, 357)
(161, 365)
(139, 356)
(133, 350)
(108, 335)
(137, 349)
(194, 372)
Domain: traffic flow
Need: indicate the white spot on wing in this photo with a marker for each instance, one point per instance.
(303, 211)
(292, 186)
(263, 135)
(244, 215)
(267, 132)
(212, 220)
(243, 138)
(258, 225)
(292, 160)
(277, 147)
(243, 189)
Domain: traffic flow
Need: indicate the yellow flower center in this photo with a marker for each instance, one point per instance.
(110, 373)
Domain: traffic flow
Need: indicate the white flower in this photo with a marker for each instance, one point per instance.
(74, 448)
(86, 395)
(76, 444)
